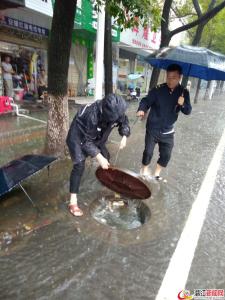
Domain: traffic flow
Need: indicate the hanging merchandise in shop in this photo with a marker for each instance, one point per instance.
(27, 65)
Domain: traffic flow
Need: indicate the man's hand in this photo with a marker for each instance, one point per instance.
(181, 100)
(140, 113)
(123, 142)
(102, 161)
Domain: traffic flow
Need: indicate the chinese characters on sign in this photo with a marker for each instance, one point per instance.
(209, 293)
(11, 22)
(141, 37)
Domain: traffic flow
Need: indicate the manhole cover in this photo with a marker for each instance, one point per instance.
(121, 214)
(124, 182)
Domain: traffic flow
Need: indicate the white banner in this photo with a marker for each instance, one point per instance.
(142, 38)
(42, 6)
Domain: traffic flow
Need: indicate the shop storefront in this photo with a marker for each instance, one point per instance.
(24, 38)
(81, 57)
(135, 44)
(27, 63)
(82, 61)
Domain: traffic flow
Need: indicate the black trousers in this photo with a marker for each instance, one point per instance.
(165, 142)
(75, 177)
(78, 170)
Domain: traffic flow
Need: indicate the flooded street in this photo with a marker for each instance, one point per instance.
(49, 254)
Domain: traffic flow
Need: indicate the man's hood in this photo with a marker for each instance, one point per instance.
(113, 107)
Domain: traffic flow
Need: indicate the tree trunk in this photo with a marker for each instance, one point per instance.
(166, 34)
(165, 39)
(206, 96)
(58, 124)
(58, 65)
(217, 89)
(154, 78)
(108, 53)
(221, 87)
(199, 31)
(184, 81)
(195, 42)
(197, 91)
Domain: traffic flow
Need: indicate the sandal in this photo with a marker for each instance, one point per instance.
(75, 210)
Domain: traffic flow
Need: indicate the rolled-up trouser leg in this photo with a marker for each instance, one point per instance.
(75, 177)
(165, 149)
(150, 142)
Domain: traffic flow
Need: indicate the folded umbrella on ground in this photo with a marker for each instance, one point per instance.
(14, 172)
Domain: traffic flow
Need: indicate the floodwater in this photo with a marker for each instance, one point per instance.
(49, 254)
(123, 214)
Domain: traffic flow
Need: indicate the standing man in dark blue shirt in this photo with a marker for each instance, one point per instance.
(165, 102)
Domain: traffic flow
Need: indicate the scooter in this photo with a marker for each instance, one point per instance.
(134, 94)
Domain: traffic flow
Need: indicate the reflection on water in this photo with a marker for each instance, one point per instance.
(123, 214)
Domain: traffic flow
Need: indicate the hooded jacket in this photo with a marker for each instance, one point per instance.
(164, 108)
(92, 125)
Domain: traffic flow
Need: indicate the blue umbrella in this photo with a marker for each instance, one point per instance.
(12, 174)
(195, 61)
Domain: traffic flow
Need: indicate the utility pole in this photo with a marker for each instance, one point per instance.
(99, 64)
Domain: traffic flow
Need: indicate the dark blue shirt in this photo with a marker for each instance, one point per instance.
(164, 106)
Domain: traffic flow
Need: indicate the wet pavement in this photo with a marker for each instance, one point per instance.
(48, 254)
(210, 253)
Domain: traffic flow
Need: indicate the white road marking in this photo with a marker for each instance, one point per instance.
(178, 270)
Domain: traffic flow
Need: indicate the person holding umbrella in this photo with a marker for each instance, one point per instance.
(165, 102)
(88, 135)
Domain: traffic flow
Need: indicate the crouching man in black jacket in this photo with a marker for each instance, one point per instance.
(165, 102)
(88, 134)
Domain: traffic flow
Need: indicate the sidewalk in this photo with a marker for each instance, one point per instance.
(82, 100)
(20, 135)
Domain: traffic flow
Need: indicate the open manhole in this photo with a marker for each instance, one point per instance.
(125, 209)
(120, 213)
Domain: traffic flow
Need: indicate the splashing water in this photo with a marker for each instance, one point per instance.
(123, 214)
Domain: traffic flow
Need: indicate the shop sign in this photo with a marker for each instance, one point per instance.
(140, 37)
(25, 26)
(42, 6)
(86, 18)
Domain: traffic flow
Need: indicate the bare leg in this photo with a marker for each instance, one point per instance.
(73, 206)
(145, 170)
(73, 199)
(158, 170)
